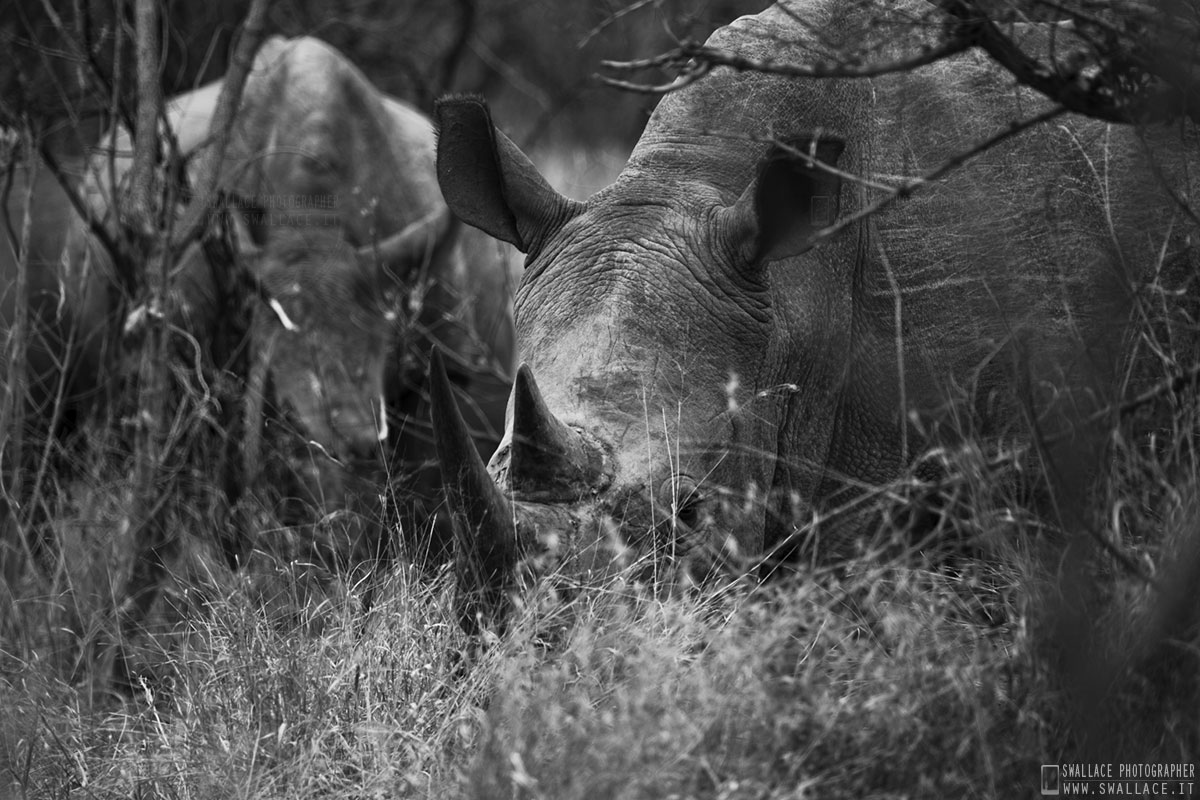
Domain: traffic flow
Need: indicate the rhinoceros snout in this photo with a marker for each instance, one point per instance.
(532, 519)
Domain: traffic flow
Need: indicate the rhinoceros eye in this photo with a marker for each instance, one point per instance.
(684, 496)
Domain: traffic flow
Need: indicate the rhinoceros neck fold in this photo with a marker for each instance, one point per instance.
(721, 127)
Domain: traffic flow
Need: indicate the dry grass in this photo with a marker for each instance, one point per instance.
(900, 674)
(945, 669)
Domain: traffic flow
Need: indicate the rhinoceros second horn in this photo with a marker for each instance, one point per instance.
(485, 532)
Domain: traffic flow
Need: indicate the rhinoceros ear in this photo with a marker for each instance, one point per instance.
(790, 200)
(489, 183)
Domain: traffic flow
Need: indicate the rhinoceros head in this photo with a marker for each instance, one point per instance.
(645, 412)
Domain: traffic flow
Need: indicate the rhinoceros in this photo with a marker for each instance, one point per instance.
(362, 268)
(357, 268)
(705, 364)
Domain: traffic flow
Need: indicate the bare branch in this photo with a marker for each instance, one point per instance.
(612, 18)
(110, 87)
(1133, 80)
(1100, 96)
(199, 212)
(1185, 380)
(140, 209)
(694, 60)
(95, 226)
(808, 158)
(689, 76)
(908, 187)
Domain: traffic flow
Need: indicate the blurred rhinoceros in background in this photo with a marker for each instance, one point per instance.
(357, 267)
(362, 269)
(710, 371)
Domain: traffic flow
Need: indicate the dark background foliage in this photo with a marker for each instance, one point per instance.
(534, 60)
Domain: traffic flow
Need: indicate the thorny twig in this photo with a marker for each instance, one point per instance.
(695, 60)
(199, 212)
(1095, 96)
(908, 187)
(1096, 93)
(611, 19)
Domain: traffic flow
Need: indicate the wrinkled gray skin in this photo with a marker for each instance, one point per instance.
(692, 345)
(363, 270)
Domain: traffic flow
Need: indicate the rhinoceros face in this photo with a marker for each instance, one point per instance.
(641, 420)
(645, 334)
(328, 337)
(329, 326)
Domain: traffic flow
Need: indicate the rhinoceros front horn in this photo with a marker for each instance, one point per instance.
(484, 530)
(548, 460)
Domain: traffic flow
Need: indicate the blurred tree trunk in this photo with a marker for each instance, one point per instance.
(151, 221)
